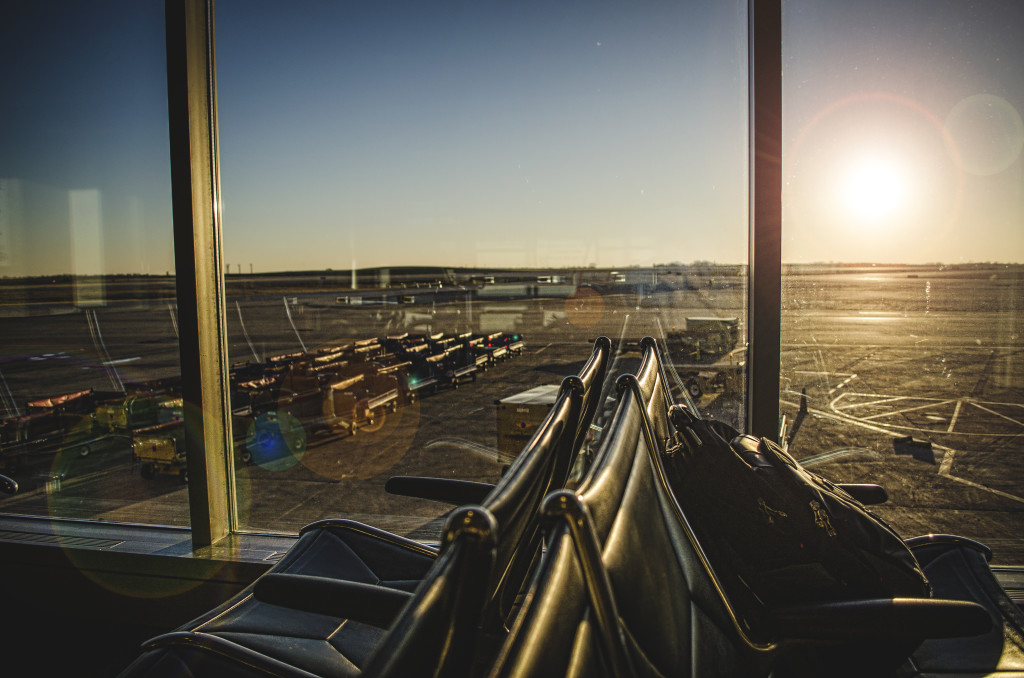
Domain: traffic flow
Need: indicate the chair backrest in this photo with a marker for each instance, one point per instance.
(542, 467)
(554, 614)
(643, 602)
(435, 634)
(432, 636)
(592, 375)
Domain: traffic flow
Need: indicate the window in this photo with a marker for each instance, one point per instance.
(903, 287)
(518, 173)
(524, 177)
(89, 344)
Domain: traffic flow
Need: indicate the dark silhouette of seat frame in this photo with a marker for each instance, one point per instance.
(625, 588)
(334, 604)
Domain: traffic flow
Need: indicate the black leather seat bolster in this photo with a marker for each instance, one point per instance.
(958, 569)
(928, 546)
(200, 655)
(374, 605)
(882, 619)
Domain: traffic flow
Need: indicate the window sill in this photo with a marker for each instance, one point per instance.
(154, 540)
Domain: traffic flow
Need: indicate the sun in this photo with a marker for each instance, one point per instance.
(874, 188)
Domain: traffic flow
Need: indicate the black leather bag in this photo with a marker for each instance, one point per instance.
(776, 533)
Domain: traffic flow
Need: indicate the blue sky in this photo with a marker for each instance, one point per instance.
(516, 134)
(484, 134)
(84, 109)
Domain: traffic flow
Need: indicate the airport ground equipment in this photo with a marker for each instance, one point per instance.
(703, 354)
(519, 415)
(333, 391)
(160, 450)
(58, 424)
(704, 337)
(130, 412)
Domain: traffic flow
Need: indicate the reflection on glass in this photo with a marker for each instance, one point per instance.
(431, 211)
(904, 284)
(88, 351)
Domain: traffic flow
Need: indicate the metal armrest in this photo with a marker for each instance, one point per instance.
(948, 540)
(882, 618)
(8, 485)
(867, 494)
(366, 603)
(449, 490)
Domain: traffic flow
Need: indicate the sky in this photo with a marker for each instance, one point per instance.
(902, 131)
(513, 134)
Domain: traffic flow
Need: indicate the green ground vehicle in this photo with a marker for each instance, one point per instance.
(131, 413)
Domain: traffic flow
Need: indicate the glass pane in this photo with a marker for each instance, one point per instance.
(544, 174)
(89, 353)
(903, 304)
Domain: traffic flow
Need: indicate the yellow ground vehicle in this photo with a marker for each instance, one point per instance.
(160, 449)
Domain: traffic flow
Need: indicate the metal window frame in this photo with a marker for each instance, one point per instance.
(195, 178)
(195, 196)
(764, 297)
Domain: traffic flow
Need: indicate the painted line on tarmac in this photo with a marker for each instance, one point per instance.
(843, 383)
(1019, 423)
(881, 401)
(971, 483)
(119, 361)
(929, 403)
(893, 413)
(956, 415)
(947, 461)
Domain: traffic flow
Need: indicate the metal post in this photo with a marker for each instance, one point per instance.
(195, 190)
(765, 279)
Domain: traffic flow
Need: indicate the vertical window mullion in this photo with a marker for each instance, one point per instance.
(765, 279)
(200, 282)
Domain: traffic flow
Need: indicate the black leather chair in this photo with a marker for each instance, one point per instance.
(319, 608)
(429, 632)
(860, 637)
(458, 492)
(515, 499)
(622, 589)
(626, 587)
(958, 568)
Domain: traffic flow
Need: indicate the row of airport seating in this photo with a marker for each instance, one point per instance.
(540, 575)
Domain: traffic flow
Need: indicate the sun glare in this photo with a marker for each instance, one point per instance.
(874, 188)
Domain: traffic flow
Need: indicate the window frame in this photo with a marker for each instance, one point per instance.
(199, 280)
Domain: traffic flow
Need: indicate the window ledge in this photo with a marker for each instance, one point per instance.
(137, 539)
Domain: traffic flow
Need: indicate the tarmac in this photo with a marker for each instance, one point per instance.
(866, 359)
